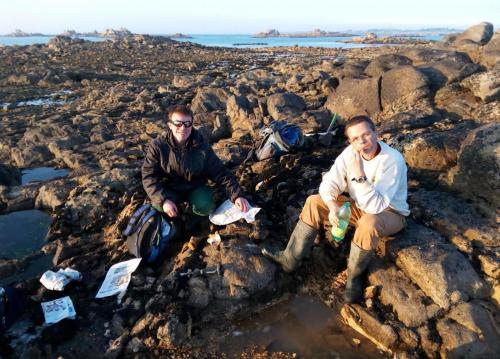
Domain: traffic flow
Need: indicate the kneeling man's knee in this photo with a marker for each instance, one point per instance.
(367, 221)
(366, 236)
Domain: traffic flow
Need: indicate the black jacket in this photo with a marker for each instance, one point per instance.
(169, 168)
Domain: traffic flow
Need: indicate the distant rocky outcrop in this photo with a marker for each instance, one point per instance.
(20, 33)
(73, 33)
(179, 35)
(314, 33)
(118, 33)
(268, 33)
(108, 33)
(372, 38)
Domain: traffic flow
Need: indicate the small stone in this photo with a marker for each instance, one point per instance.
(371, 292)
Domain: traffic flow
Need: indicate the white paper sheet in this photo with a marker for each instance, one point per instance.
(58, 309)
(118, 278)
(229, 213)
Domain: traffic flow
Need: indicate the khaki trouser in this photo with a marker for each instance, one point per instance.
(369, 227)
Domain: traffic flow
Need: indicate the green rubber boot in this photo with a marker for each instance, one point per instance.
(298, 247)
(358, 262)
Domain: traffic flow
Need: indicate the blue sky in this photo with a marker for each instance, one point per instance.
(240, 17)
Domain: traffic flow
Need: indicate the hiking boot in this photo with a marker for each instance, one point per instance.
(358, 262)
(301, 241)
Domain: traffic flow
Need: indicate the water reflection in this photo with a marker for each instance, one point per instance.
(22, 233)
(53, 99)
(34, 269)
(42, 174)
(303, 325)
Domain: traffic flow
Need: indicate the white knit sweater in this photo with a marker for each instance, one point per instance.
(386, 186)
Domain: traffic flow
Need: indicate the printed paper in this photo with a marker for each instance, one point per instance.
(58, 309)
(118, 278)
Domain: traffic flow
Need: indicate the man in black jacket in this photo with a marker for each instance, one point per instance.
(178, 165)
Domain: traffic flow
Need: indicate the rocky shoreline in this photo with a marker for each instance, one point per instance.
(434, 290)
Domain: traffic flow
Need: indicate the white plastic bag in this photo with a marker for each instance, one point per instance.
(58, 280)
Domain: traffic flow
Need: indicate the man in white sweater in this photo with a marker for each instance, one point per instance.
(374, 175)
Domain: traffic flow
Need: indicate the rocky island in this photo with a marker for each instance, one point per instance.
(314, 33)
(73, 33)
(372, 38)
(108, 33)
(434, 290)
(180, 36)
(21, 33)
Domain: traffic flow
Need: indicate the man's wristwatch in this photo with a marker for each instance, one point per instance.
(359, 179)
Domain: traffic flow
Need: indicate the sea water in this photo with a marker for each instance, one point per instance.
(233, 40)
(247, 41)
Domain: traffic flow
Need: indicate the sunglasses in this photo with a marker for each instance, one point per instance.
(186, 124)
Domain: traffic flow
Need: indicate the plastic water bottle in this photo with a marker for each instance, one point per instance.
(344, 214)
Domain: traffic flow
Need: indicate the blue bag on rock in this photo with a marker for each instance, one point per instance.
(148, 233)
(277, 138)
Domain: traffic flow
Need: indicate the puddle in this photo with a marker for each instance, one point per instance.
(42, 174)
(52, 99)
(23, 233)
(303, 325)
(34, 269)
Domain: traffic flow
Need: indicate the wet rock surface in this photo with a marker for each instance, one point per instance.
(434, 289)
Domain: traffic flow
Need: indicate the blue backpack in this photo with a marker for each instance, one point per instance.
(277, 138)
(148, 233)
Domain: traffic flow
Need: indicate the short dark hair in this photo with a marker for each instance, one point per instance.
(180, 109)
(356, 120)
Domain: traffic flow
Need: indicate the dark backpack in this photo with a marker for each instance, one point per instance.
(277, 138)
(148, 233)
(12, 303)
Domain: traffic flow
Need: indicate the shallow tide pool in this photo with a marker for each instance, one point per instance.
(303, 325)
(42, 174)
(23, 233)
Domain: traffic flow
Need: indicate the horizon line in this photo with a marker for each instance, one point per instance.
(248, 33)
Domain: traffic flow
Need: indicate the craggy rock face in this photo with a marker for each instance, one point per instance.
(9, 175)
(93, 108)
(477, 42)
(436, 151)
(491, 51)
(406, 300)
(440, 270)
(477, 322)
(485, 85)
(385, 63)
(355, 97)
(285, 105)
(480, 34)
(402, 87)
(479, 157)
